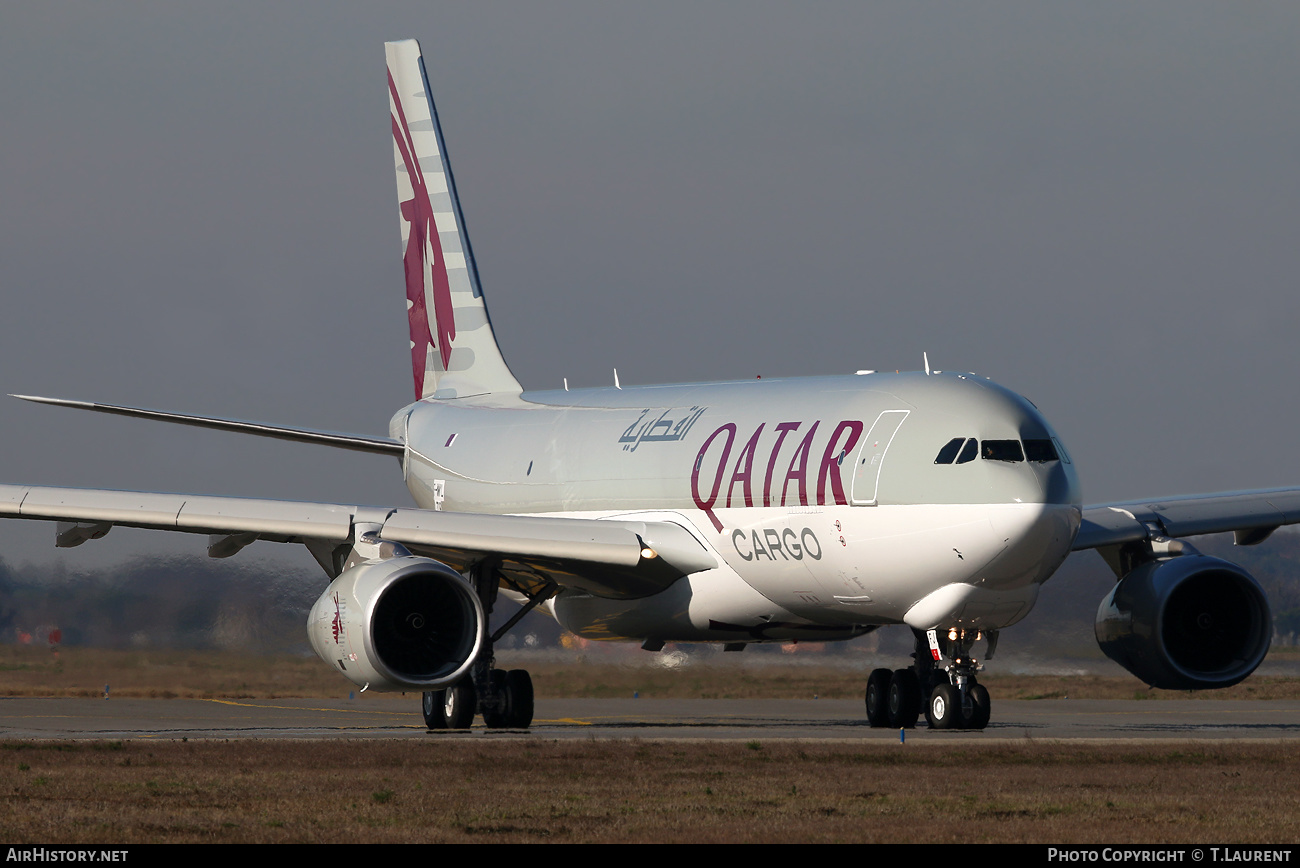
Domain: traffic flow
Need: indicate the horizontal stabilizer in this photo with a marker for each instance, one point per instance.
(356, 442)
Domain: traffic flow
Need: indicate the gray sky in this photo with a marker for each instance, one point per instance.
(1094, 204)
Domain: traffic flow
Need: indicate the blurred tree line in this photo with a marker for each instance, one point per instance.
(196, 602)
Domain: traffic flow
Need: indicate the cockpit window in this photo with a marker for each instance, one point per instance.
(968, 454)
(1002, 450)
(1040, 450)
(1065, 456)
(949, 451)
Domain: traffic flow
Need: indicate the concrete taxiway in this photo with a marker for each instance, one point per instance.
(398, 717)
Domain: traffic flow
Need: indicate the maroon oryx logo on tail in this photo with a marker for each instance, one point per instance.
(423, 236)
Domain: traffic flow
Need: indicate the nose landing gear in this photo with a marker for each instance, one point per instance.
(957, 700)
(950, 696)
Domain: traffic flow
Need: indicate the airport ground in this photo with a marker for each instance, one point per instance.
(524, 790)
(689, 784)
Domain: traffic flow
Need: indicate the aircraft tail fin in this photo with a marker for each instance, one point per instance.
(454, 352)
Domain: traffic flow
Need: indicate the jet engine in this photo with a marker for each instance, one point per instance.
(404, 623)
(1190, 622)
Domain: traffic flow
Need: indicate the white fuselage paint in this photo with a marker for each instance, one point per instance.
(767, 476)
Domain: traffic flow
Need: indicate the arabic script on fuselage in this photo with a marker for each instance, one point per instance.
(663, 428)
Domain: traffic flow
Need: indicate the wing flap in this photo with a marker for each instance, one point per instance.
(211, 515)
(527, 536)
(266, 517)
(137, 508)
(603, 557)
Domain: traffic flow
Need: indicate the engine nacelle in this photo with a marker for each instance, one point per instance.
(1186, 623)
(405, 623)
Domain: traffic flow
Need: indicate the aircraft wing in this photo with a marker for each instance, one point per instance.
(606, 558)
(1250, 515)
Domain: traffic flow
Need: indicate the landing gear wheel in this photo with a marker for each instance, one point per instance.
(499, 717)
(456, 706)
(878, 697)
(431, 705)
(904, 699)
(943, 711)
(519, 701)
(980, 707)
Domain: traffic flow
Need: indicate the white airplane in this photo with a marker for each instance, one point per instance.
(757, 511)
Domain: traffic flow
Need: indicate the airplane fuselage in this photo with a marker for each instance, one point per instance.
(755, 511)
(828, 501)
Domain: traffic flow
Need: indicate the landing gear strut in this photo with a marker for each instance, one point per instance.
(949, 696)
(504, 698)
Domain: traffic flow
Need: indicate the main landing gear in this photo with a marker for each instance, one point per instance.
(504, 698)
(950, 697)
(507, 703)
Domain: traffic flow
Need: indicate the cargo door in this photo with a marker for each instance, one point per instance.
(866, 472)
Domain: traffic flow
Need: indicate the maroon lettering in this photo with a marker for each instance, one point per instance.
(801, 457)
(746, 457)
(832, 461)
(781, 430)
(707, 505)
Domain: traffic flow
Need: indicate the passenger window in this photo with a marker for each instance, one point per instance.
(1040, 450)
(1003, 450)
(949, 451)
(968, 454)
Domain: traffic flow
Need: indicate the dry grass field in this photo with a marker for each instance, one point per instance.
(517, 791)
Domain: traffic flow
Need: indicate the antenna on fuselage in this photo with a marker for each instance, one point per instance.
(926, 358)
(566, 384)
(616, 385)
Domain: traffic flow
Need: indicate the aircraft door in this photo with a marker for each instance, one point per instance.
(866, 472)
(406, 445)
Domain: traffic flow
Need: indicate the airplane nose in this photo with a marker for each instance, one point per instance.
(1058, 483)
(1038, 537)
